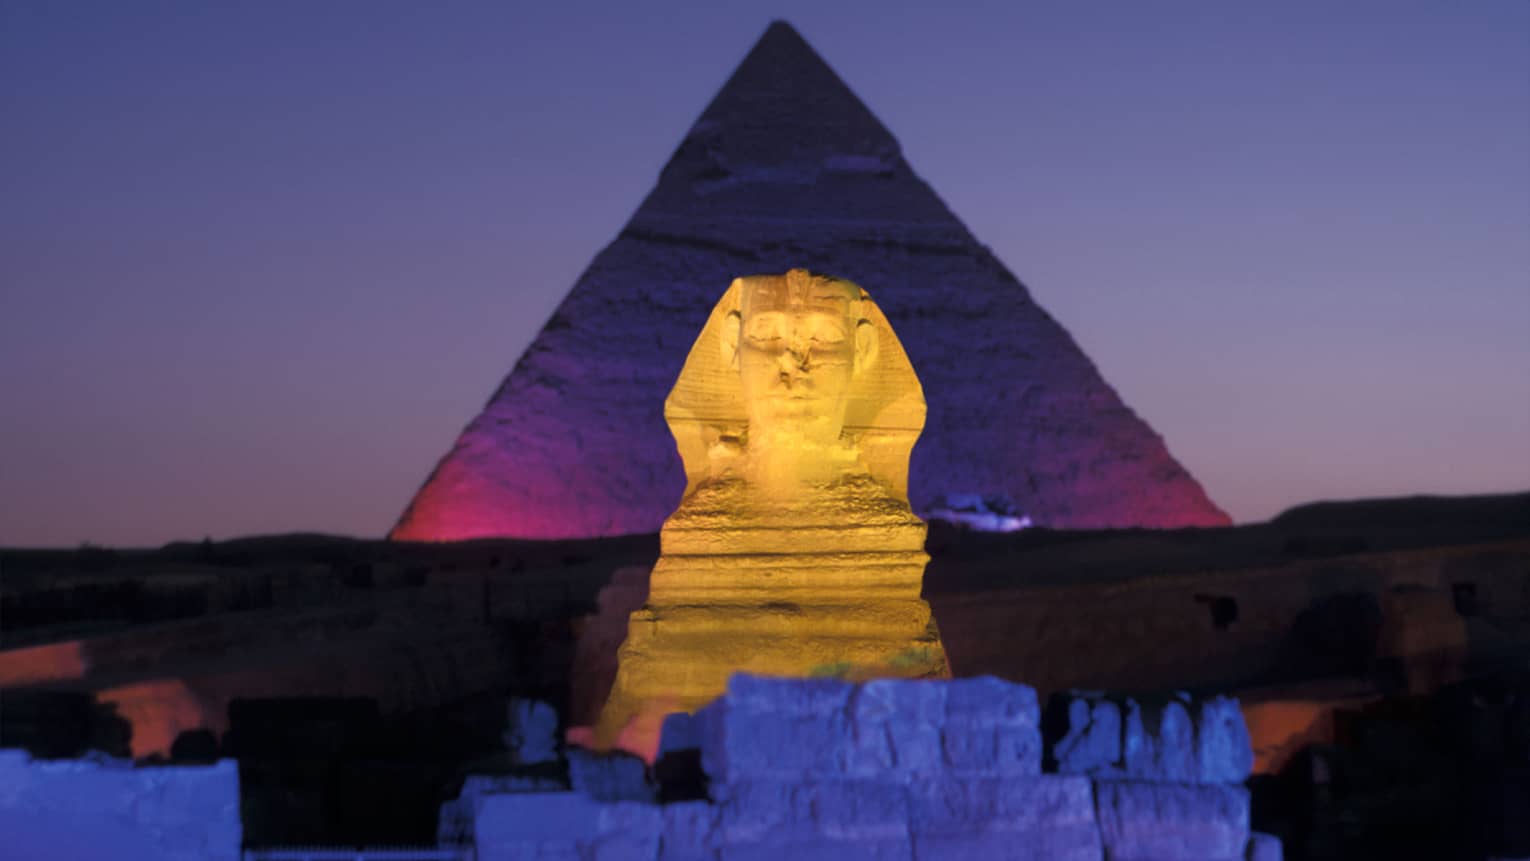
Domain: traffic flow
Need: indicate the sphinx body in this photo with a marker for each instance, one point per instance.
(794, 550)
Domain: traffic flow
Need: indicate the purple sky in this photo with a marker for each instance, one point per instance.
(260, 262)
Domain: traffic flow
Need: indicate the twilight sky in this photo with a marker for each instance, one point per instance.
(260, 262)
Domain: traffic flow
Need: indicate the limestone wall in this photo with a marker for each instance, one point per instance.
(893, 769)
(76, 810)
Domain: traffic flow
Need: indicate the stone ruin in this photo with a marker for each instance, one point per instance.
(896, 769)
(101, 807)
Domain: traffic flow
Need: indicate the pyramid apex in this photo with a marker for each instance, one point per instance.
(780, 28)
(782, 43)
(783, 105)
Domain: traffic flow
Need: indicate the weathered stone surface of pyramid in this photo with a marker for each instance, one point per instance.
(787, 168)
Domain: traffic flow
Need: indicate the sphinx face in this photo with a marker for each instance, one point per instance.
(796, 355)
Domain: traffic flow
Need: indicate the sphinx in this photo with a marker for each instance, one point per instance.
(794, 550)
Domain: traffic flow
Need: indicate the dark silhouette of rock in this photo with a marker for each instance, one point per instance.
(62, 724)
(532, 733)
(195, 747)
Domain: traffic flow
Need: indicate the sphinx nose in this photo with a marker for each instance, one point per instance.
(792, 365)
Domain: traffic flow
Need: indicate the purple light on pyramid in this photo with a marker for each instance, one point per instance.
(786, 168)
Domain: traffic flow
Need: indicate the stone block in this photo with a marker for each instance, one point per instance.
(679, 732)
(976, 750)
(1137, 742)
(900, 700)
(752, 810)
(897, 726)
(690, 831)
(1073, 844)
(547, 850)
(826, 729)
(104, 808)
(1179, 740)
(869, 751)
(758, 810)
(631, 818)
(992, 727)
(15, 777)
(454, 823)
(745, 744)
(1090, 736)
(1174, 753)
(1045, 817)
(623, 847)
(1171, 822)
(968, 750)
(709, 728)
(1029, 804)
(1223, 750)
(1264, 847)
(532, 732)
(796, 696)
(1158, 742)
(1017, 750)
(860, 809)
(820, 850)
(508, 821)
(993, 701)
(668, 852)
(795, 745)
(609, 776)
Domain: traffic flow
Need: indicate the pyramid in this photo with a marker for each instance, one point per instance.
(787, 168)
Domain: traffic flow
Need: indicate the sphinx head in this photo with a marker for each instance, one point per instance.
(795, 379)
(798, 343)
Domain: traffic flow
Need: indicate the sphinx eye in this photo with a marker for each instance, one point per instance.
(766, 327)
(826, 332)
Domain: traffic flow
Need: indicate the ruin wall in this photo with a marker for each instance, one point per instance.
(106, 808)
(896, 769)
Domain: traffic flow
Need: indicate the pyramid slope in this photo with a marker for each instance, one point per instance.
(787, 168)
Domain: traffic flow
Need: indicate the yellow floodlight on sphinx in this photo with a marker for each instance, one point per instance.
(794, 550)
